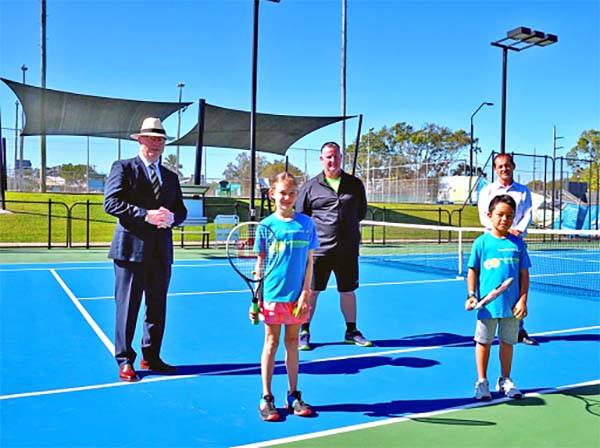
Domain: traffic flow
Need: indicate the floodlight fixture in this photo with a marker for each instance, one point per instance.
(549, 40)
(519, 33)
(518, 39)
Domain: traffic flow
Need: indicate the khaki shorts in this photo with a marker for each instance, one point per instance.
(508, 330)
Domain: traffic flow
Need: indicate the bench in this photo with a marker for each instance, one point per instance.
(195, 218)
(223, 225)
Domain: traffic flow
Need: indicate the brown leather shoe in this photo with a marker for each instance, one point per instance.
(127, 373)
(157, 366)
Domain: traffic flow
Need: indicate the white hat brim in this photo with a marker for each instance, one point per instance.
(150, 134)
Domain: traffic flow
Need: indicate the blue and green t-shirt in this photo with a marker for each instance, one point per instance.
(296, 237)
(497, 259)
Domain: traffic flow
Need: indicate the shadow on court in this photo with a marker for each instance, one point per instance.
(349, 366)
(400, 408)
(425, 340)
(569, 338)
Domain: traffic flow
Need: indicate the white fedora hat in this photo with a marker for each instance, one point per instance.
(151, 127)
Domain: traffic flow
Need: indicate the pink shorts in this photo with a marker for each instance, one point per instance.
(280, 313)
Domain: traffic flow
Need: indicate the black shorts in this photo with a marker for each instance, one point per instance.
(344, 266)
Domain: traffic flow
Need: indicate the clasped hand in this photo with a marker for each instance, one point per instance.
(162, 218)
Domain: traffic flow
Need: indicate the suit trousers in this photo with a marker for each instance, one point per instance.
(132, 280)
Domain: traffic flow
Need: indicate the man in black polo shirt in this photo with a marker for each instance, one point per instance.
(337, 203)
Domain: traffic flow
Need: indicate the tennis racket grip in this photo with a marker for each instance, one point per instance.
(255, 311)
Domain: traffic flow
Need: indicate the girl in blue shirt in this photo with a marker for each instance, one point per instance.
(285, 294)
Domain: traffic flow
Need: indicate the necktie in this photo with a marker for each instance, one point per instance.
(155, 182)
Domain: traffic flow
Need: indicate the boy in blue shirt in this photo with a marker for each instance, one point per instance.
(285, 294)
(496, 256)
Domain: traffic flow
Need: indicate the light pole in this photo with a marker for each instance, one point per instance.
(21, 139)
(516, 40)
(369, 159)
(472, 137)
(180, 85)
(253, 108)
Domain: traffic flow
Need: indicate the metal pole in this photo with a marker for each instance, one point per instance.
(87, 166)
(16, 137)
(199, 142)
(503, 124)
(43, 99)
(343, 129)
(357, 144)
(369, 160)
(253, 111)
(180, 85)
(485, 103)
(471, 150)
(22, 140)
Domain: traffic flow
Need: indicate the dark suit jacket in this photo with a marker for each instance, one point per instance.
(128, 195)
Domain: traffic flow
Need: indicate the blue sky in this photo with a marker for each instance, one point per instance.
(413, 61)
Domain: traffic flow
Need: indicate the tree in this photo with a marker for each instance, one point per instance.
(240, 170)
(583, 157)
(278, 166)
(425, 152)
(76, 174)
(171, 163)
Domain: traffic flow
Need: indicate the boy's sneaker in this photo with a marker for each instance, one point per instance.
(267, 410)
(482, 390)
(356, 337)
(295, 404)
(304, 340)
(507, 387)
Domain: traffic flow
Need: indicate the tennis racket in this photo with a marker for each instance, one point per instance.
(494, 293)
(252, 250)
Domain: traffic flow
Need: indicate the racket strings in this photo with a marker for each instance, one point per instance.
(245, 244)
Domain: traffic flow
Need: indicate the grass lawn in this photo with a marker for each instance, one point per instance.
(27, 219)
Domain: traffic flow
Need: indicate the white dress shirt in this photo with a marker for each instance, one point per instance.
(521, 195)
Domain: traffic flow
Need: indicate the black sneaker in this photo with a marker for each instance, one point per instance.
(267, 410)
(356, 337)
(526, 339)
(295, 404)
(304, 340)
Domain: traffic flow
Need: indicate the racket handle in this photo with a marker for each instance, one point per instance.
(255, 311)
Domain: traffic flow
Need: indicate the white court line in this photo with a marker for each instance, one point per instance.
(107, 342)
(257, 368)
(178, 294)
(410, 417)
(107, 267)
(237, 291)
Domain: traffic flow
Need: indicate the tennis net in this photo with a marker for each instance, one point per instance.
(563, 261)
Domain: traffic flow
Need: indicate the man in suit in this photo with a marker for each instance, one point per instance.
(146, 198)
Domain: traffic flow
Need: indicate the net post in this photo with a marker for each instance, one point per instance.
(460, 252)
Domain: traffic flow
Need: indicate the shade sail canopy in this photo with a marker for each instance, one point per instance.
(85, 115)
(230, 128)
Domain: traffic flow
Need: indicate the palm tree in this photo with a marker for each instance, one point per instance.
(170, 162)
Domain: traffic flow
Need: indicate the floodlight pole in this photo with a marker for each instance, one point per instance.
(485, 103)
(472, 135)
(253, 109)
(518, 39)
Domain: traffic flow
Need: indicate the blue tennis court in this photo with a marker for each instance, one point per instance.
(59, 381)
